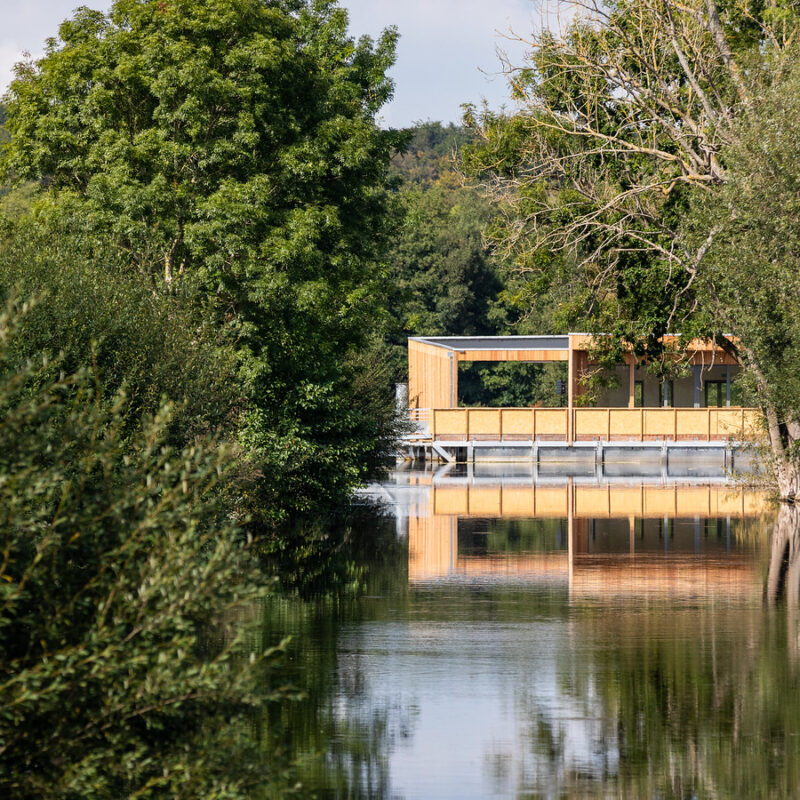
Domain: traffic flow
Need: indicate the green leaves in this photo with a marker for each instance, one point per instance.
(119, 561)
(752, 262)
(228, 150)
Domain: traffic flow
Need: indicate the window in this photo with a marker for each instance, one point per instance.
(716, 396)
(638, 394)
(670, 390)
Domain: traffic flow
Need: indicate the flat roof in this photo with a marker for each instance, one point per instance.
(496, 342)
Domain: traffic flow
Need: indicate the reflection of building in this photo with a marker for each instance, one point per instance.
(617, 539)
(700, 407)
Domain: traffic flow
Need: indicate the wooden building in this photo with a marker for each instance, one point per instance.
(667, 410)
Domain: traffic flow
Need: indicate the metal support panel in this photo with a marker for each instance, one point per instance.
(442, 453)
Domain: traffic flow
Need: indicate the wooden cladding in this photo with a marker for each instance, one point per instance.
(433, 364)
(595, 424)
(432, 376)
(536, 356)
(433, 370)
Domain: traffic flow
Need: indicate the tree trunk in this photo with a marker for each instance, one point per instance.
(169, 258)
(783, 577)
(787, 476)
(785, 464)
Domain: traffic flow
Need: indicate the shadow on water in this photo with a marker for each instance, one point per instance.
(529, 638)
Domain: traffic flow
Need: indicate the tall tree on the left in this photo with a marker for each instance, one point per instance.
(231, 147)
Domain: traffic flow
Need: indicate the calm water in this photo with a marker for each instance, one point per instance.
(557, 638)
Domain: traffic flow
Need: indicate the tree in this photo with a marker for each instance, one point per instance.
(431, 152)
(752, 266)
(155, 348)
(232, 146)
(626, 117)
(445, 281)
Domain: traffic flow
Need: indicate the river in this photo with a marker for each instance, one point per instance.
(525, 636)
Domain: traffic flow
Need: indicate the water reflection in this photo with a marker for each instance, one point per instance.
(544, 637)
(593, 539)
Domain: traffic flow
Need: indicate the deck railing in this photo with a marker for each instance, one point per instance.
(594, 424)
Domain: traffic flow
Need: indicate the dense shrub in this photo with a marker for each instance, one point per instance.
(120, 571)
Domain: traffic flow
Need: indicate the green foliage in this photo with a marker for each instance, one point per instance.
(752, 268)
(444, 280)
(431, 152)
(511, 384)
(120, 571)
(624, 113)
(232, 146)
(154, 347)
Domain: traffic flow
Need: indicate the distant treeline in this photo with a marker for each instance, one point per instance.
(447, 281)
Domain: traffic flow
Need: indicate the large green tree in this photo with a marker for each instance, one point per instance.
(231, 145)
(751, 270)
(627, 115)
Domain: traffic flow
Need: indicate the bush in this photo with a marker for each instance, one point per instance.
(120, 571)
(155, 346)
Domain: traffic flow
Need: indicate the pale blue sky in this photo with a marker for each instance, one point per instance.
(447, 52)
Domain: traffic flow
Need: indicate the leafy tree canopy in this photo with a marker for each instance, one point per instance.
(751, 269)
(231, 145)
(431, 152)
(634, 113)
(625, 112)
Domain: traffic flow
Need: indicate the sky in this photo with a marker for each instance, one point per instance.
(447, 53)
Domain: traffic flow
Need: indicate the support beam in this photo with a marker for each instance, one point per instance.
(728, 386)
(570, 394)
(631, 382)
(442, 453)
(696, 369)
(453, 380)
